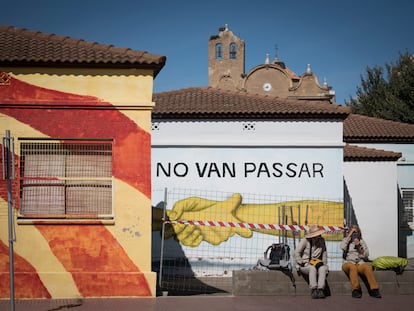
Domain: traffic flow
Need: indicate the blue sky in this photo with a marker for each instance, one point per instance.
(338, 38)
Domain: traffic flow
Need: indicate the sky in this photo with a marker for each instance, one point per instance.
(339, 39)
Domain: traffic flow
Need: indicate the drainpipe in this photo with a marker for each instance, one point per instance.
(8, 174)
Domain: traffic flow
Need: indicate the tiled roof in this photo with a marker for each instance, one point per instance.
(357, 153)
(214, 103)
(22, 47)
(359, 128)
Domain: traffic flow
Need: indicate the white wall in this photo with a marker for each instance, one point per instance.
(373, 189)
(254, 146)
(247, 133)
(212, 159)
(405, 163)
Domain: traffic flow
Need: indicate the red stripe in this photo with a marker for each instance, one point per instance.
(132, 144)
(98, 251)
(27, 283)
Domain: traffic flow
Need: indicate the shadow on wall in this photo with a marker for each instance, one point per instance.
(349, 212)
(177, 277)
(404, 217)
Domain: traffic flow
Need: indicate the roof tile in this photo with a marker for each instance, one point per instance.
(358, 153)
(359, 128)
(22, 47)
(214, 103)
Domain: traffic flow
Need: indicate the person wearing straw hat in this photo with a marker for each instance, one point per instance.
(311, 260)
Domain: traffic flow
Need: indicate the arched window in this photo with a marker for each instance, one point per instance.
(233, 51)
(219, 52)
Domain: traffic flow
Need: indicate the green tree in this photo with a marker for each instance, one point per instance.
(387, 92)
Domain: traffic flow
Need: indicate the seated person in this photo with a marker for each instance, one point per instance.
(311, 260)
(356, 263)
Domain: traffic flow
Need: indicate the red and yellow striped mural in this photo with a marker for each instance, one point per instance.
(89, 259)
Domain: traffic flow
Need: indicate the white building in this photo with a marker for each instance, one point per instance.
(214, 141)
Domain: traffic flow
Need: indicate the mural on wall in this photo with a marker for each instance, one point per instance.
(196, 219)
(92, 255)
(218, 198)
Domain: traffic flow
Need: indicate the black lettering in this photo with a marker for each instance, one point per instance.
(317, 168)
(290, 170)
(231, 170)
(304, 169)
(249, 167)
(201, 173)
(209, 169)
(213, 169)
(263, 169)
(278, 172)
(160, 167)
(180, 172)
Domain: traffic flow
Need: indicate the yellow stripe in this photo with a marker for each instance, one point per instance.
(30, 244)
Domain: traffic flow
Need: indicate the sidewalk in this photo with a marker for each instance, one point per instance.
(216, 303)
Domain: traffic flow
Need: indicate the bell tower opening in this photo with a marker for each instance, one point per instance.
(219, 52)
(233, 50)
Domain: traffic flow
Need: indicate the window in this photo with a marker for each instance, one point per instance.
(233, 51)
(66, 179)
(218, 51)
(408, 206)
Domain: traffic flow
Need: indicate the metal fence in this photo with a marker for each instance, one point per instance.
(208, 234)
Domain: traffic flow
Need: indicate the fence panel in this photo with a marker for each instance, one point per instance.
(208, 234)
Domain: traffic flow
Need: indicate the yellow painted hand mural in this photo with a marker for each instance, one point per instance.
(325, 213)
(195, 208)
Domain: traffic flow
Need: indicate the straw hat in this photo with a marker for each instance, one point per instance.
(314, 231)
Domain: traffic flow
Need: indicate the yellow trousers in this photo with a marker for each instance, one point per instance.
(353, 270)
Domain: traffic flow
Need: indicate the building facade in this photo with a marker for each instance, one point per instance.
(379, 134)
(226, 70)
(286, 154)
(80, 116)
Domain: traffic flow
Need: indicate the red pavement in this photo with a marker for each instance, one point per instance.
(216, 303)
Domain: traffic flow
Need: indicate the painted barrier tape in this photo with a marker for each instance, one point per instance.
(328, 229)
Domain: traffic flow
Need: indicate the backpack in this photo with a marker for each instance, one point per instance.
(278, 255)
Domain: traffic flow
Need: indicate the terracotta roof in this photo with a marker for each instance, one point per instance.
(214, 103)
(357, 153)
(22, 47)
(359, 128)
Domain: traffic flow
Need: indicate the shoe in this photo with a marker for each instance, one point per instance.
(314, 293)
(356, 293)
(375, 293)
(320, 293)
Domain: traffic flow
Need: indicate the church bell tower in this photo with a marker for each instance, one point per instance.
(225, 60)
